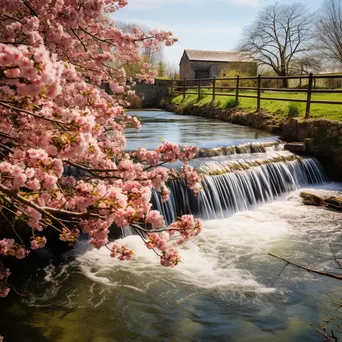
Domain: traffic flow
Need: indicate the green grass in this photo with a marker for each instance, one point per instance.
(281, 108)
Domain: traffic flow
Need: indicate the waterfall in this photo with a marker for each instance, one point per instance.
(238, 182)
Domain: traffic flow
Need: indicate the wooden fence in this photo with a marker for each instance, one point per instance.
(210, 84)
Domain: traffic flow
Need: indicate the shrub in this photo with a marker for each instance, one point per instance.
(294, 110)
(230, 103)
(232, 83)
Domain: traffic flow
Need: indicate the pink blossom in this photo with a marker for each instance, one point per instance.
(4, 273)
(158, 176)
(122, 252)
(165, 193)
(69, 235)
(187, 226)
(155, 219)
(12, 73)
(4, 293)
(159, 241)
(169, 258)
(38, 242)
(192, 178)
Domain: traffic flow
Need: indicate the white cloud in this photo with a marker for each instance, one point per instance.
(252, 3)
(136, 4)
(139, 4)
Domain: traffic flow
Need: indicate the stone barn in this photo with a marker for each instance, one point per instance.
(209, 64)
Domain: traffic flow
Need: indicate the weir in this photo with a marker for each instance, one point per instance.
(239, 182)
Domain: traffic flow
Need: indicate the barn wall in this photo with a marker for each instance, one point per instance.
(184, 67)
(152, 94)
(215, 68)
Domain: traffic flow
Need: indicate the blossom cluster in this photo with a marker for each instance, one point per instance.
(186, 227)
(121, 252)
(192, 177)
(10, 247)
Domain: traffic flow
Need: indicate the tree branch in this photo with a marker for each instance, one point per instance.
(32, 114)
(331, 275)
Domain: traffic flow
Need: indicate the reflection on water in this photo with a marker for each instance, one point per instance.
(189, 130)
(226, 289)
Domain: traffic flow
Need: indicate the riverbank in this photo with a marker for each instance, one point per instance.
(321, 137)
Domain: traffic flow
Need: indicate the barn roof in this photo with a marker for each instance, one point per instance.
(216, 56)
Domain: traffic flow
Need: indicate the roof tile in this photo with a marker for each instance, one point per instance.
(216, 56)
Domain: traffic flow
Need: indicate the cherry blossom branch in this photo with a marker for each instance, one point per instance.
(159, 230)
(6, 136)
(12, 18)
(94, 172)
(32, 10)
(32, 114)
(78, 65)
(157, 165)
(6, 148)
(95, 37)
(79, 39)
(89, 169)
(13, 43)
(46, 210)
(11, 225)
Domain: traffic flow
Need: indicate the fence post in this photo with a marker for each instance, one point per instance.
(237, 90)
(171, 87)
(199, 89)
(259, 93)
(184, 88)
(308, 99)
(214, 86)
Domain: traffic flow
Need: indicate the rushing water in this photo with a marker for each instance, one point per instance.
(227, 287)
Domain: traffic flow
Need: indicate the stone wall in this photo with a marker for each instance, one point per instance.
(323, 138)
(152, 94)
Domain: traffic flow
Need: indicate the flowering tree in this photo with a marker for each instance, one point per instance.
(54, 57)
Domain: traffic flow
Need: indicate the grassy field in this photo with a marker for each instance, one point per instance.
(280, 108)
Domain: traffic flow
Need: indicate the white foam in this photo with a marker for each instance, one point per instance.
(221, 256)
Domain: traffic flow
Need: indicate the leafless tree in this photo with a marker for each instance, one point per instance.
(329, 30)
(150, 55)
(306, 64)
(172, 70)
(279, 34)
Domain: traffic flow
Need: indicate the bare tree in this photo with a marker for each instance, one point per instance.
(306, 64)
(172, 70)
(150, 55)
(329, 30)
(280, 33)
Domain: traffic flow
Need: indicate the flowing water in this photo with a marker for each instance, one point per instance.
(188, 130)
(227, 287)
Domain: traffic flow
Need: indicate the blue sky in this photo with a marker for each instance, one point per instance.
(198, 24)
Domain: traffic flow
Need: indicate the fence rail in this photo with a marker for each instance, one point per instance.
(196, 86)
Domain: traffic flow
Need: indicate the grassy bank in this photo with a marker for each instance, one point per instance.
(279, 108)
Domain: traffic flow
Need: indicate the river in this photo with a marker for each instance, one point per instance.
(227, 287)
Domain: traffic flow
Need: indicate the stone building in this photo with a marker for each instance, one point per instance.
(208, 64)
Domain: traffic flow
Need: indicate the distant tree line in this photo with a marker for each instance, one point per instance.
(148, 55)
